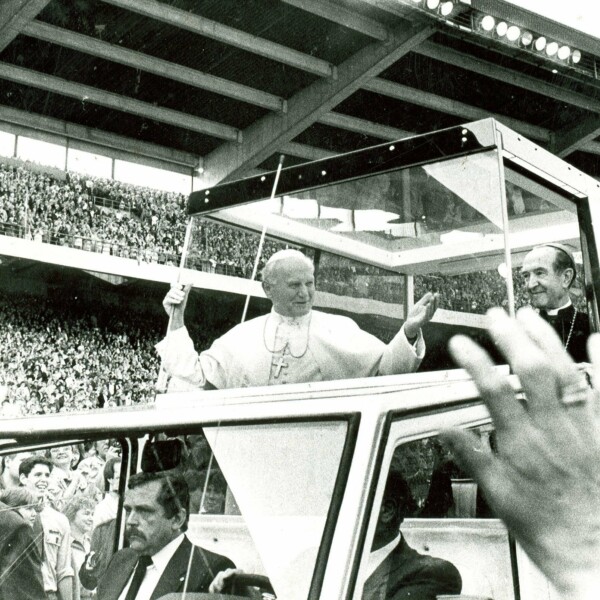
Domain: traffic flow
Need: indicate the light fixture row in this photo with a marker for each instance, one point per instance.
(513, 34)
(442, 7)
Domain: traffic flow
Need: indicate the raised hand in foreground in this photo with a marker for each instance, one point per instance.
(544, 480)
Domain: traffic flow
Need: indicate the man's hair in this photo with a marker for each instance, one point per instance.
(18, 496)
(563, 259)
(109, 471)
(282, 255)
(29, 463)
(76, 504)
(173, 495)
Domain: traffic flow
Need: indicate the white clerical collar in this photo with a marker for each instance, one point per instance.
(552, 312)
(378, 556)
(297, 321)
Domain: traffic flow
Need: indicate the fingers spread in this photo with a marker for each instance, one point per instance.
(495, 389)
(532, 363)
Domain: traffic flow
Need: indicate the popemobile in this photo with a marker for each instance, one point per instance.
(289, 481)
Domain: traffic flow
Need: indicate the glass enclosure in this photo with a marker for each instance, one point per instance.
(452, 213)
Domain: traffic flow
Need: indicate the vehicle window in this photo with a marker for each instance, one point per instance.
(260, 495)
(68, 495)
(434, 534)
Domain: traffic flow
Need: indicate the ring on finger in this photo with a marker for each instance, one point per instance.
(576, 392)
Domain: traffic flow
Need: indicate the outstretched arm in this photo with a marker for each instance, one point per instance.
(544, 480)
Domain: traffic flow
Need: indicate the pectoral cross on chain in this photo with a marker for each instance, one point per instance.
(280, 364)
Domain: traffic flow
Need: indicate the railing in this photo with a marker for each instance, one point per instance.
(113, 204)
(101, 246)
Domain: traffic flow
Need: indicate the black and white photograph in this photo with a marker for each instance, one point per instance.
(299, 300)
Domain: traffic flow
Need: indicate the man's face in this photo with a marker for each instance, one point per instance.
(291, 287)
(147, 528)
(37, 481)
(546, 288)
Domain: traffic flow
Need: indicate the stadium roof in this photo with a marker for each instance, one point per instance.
(226, 86)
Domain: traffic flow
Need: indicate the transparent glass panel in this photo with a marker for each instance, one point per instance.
(69, 497)
(547, 255)
(260, 495)
(378, 243)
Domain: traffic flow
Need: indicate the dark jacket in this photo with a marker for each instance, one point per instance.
(205, 566)
(407, 575)
(20, 561)
(576, 331)
(101, 551)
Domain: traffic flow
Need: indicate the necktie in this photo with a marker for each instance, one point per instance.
(138, 576)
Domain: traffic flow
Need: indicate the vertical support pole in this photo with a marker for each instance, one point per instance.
(409, 294)
(510, 292)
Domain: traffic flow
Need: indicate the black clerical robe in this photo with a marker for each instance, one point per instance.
(563, 322)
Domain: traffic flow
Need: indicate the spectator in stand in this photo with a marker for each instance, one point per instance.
(10, 470)
(69, 481)
(53, 528)
(23, 501)
(79, 511)
(67, 359)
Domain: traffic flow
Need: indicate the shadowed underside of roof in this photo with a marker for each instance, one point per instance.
(234, 84)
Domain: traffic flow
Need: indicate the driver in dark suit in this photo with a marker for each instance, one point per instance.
(396, 571)
(160, 558)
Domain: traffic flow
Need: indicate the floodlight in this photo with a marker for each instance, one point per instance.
(501, 29)
(446, 8)
(513, 33)
(526, 38)
(575, 57)
(564, 52)
(540, 43)
(488, 23)
(551, 48)
(433, 4)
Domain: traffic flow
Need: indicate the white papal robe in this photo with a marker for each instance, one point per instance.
(273, 349)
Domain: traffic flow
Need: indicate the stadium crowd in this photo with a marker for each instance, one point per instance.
(54, 357)
(116, 218)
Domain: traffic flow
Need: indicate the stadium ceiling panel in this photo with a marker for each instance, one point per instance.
(228, 85)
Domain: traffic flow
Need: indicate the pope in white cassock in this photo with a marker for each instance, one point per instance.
(293, 343)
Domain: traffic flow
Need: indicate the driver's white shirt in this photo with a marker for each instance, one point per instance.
(160, 560)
